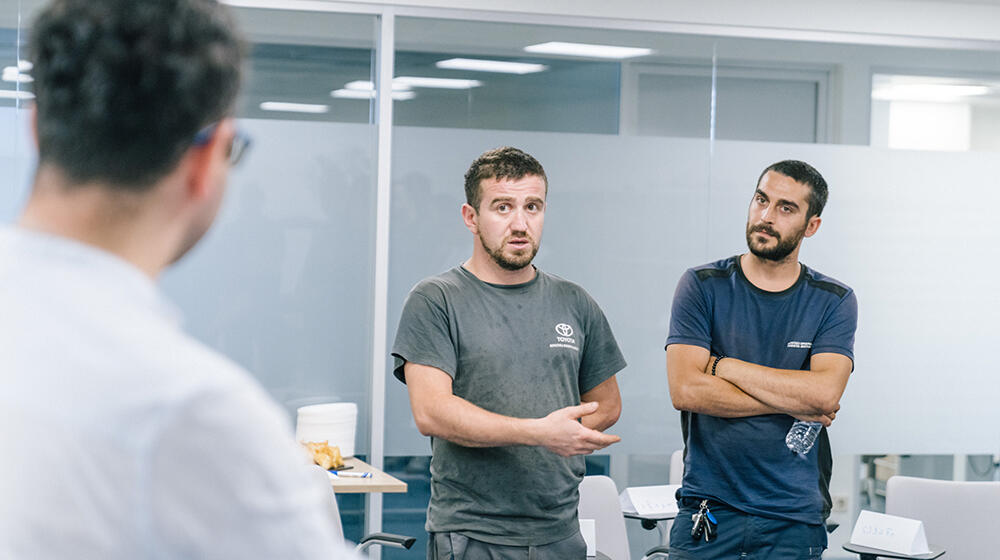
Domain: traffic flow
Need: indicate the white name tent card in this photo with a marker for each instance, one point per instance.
(890, 533)
(588, 528)
(650, 500)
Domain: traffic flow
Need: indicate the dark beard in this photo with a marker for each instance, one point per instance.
(780, 251)
(514, 264)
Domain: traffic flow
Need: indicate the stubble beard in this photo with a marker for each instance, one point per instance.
(513, 262)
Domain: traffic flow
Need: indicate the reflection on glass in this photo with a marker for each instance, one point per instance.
(298, 82)
(15, 69)
(16, 147)
(935, 113)
(457, 90)
(299, 59)
(282, 283)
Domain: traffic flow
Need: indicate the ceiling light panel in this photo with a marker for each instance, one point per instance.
(8, 94)
(928, 92)
(294, 107)
(365, 85)
(13, 74)
(441, 83)
(588, 50)
(500, 66)
(369, 94)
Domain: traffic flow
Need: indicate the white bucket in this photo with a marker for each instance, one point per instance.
(331, 422)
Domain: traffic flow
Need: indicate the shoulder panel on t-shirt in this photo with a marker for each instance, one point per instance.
(823, 282)
(719, 269)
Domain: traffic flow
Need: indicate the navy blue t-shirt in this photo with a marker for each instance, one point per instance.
(743, 462)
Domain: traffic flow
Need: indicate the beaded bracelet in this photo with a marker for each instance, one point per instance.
(715, 364)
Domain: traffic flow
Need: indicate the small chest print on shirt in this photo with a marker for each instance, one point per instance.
(797, 344)
(564, 337)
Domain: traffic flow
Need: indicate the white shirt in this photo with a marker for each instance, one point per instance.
(121, 437)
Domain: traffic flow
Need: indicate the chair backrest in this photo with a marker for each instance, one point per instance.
(677, 467)
(961, 517)
(599, 501)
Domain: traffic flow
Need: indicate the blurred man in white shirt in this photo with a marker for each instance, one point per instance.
(120, 436)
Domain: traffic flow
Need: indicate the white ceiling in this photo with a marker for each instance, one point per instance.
(899, 22)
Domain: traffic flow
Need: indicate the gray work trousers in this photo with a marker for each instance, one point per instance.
(453, 546)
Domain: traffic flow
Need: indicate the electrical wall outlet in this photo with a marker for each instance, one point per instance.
(839, 503)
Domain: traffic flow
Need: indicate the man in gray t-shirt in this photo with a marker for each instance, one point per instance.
(511, 372)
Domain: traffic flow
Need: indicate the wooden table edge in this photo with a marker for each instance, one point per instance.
(380, 481)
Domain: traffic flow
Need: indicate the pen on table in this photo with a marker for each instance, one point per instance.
(351, 474)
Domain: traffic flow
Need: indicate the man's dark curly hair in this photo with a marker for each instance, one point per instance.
(122, 86)
(499, 163)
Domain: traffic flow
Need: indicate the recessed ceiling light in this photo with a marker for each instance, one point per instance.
(360, 85)
(442, 83)
(587, 50)
(365, 85)
(8, 94)
(294, 107)
(928, 92)
(369, 94)
(352, 94)
(480, 65)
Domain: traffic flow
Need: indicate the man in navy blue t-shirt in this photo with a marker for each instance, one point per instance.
(757, 341)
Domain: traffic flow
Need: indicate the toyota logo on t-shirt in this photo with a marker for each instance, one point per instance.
(564, 330)
(564, 334)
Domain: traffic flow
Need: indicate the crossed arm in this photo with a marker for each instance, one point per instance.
(440, 413)
(741, 389)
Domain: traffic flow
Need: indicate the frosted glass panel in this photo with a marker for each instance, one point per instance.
(16, 147)
(912, 232)
(626, 216)
(282, 283)
(17, 160)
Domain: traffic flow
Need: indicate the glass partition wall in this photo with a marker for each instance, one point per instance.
(16, 144)
(283, 282)
(652, 159)
(652, 145)
(609, 191)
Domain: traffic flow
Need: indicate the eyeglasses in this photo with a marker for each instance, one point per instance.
(239, 146)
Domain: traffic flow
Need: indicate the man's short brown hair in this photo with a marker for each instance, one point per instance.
(499, 163)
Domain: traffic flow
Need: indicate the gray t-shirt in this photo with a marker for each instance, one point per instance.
(523, 351)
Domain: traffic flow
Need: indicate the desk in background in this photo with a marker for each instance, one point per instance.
(379, 482)
(867, 553)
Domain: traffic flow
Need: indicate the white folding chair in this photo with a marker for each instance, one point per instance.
(677, 467)
(599, 501)
(960, 517)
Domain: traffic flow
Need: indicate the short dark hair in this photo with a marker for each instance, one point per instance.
(806, 174)
(499, 163)
(123, 86)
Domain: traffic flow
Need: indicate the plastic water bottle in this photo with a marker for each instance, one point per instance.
(802, 436)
